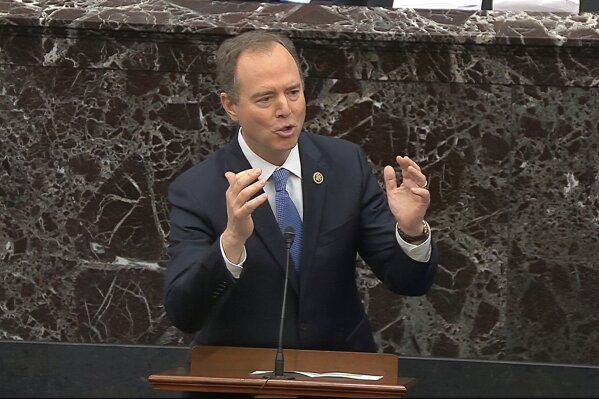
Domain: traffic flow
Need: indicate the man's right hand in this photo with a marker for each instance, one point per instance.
(241, 203)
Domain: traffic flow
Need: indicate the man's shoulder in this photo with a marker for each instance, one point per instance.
(334, 149)
(208, 168)
(331, 142)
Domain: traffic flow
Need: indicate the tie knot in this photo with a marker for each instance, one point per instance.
(280, 178)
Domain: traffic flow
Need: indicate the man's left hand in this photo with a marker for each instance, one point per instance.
(409, 199)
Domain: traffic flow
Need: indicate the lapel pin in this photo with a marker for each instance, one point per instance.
(318, 177)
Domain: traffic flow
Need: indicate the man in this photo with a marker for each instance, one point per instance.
(226, 274)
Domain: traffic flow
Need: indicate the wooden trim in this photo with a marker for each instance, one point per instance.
(227, 369)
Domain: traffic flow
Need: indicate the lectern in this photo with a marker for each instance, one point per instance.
(229, 369)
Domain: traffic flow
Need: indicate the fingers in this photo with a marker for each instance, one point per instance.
(238, 181)
(241, 202)
(406, 162)
(423, 193)
(243, 186)
(244, 180)
(411, 171)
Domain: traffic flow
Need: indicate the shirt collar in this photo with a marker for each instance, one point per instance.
(292, 163)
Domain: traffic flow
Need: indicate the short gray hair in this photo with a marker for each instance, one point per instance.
(229, 51)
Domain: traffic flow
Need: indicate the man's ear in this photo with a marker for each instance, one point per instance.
(229, 106)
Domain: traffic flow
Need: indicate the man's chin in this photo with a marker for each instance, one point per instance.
(288, 139)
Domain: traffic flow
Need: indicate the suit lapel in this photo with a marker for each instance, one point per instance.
(314, 192)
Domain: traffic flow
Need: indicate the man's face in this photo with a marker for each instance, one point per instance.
(271, 107)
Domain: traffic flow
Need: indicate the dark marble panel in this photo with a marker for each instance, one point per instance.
(103, 104)
(432, 62)
(323, 58)
(112, 50)
(553, 275)
(310, 21)
(87, 156)
(465, 151)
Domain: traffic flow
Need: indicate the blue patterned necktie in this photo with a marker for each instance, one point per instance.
(287, 214)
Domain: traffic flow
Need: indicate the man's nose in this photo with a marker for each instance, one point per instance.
(283, 108)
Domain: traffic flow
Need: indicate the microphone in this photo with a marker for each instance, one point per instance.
(288, 235)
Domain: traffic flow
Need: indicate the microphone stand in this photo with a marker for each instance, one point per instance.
(289, 235)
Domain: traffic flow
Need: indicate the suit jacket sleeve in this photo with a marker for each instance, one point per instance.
(196, 277)
(378, 245)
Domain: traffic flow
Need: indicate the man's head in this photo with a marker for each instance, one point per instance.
(230, 50)
(262, 90)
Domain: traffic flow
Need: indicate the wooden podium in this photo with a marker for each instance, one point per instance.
(228, 369)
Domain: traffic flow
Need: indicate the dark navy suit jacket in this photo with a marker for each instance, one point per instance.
(347, 214)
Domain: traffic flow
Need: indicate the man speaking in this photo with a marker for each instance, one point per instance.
(226, 273)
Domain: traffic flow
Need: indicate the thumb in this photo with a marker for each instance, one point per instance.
(390, 178)
(230, 176)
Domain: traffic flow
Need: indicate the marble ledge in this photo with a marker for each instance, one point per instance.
(307, 21)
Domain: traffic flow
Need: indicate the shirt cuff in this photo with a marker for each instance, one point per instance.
(420, 252)
(234, 269)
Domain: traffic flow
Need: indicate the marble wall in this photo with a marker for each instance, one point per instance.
(103, 103)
